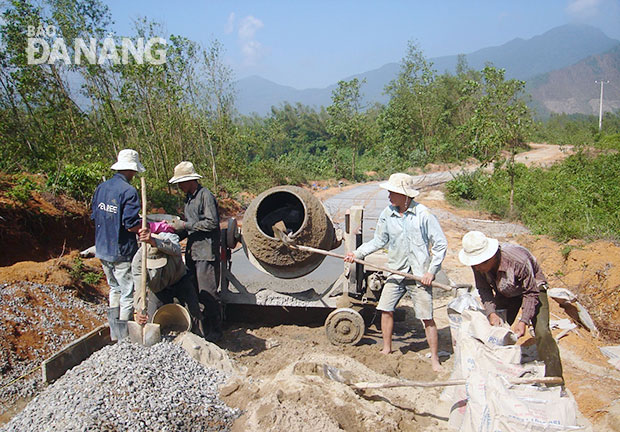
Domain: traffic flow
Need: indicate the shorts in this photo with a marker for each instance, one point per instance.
(395, 289)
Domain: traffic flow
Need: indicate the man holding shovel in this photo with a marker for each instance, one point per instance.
(202, 229)
(115, 210)
(167, 277)
(508, 277)
(409, 230)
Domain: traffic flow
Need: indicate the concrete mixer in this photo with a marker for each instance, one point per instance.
(271, 274)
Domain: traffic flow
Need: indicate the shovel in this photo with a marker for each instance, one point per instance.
(335, 374)
(148, 334)
(279, 230)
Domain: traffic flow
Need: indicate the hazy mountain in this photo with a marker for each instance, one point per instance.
(573, 89)
(523, 59)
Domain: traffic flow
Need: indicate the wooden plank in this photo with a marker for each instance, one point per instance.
(75, 353)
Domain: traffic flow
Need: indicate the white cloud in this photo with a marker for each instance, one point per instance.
(230, 23)
(251, 49)
(583, 8)
(252, 52)
(248, 27)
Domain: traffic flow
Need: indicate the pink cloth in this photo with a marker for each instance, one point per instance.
(160, 227)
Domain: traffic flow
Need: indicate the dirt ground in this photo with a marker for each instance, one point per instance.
(285, 388)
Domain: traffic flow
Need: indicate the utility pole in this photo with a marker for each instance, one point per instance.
(600, 107)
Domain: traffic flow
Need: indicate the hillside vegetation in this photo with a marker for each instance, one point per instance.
(184, 109)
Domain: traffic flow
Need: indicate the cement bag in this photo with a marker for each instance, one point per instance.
(455, 309)
(613, 355)
(561, 295)
(474, 355)
(580, 313)
(528, 408)
(491, 336)
(476, 417)
(494, 405)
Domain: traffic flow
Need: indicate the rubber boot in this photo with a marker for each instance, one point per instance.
(214, 315)
(122, 329)
(113, 314)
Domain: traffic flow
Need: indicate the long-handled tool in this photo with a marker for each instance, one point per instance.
(335, 374)
(279, 230)
(148, 334)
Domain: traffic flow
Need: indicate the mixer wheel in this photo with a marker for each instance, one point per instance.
(344, 326)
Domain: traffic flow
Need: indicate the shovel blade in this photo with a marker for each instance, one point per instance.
(135, 332)
(147, 335)
(151, 334)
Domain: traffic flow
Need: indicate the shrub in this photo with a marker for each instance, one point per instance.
(22, 191)
(79, 181)
(161, 198)
(578, 198)
(465, 185)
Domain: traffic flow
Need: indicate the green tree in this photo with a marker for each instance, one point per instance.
(346, 119)
(500, 119)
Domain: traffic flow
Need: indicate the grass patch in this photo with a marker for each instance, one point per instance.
(576, 199)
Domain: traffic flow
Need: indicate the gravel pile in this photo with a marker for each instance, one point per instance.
(45, 317)
(130, 387)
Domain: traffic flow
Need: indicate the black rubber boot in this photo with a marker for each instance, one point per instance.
(214, 316)
(113, 314)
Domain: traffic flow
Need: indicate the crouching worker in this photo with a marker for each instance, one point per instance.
(508, 277)
(167, 277)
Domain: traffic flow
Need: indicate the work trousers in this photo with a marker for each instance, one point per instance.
(207, 277)
(184, 292)
(120, 281)
(546, 346)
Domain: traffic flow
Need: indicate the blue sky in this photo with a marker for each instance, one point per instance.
(315, 43)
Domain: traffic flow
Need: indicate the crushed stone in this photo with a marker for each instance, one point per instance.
(131, 387)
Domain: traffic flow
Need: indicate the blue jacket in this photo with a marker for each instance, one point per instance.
(115, 210)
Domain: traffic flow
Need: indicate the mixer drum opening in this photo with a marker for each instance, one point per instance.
(280, 206)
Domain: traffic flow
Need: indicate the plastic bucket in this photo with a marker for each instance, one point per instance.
(172, 318)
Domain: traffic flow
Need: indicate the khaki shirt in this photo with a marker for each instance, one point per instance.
(161, 278)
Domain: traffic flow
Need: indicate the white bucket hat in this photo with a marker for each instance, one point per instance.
(128, 160)
(184, 172)
(155, 258)
(401, 183)
(477, 248)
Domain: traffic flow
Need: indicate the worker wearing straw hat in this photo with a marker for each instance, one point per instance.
(508, 277)
(410, 230)
(202, 229)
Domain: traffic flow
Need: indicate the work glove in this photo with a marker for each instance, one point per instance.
(177, 224)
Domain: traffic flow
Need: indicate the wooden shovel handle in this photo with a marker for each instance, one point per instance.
(366, 263)
(369, 385)
(142, 304)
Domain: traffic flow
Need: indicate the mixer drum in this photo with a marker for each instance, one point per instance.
(307, 224)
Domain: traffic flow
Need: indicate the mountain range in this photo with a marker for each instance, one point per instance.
(560, 67)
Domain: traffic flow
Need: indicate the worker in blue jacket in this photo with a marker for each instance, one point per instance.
(115, 210)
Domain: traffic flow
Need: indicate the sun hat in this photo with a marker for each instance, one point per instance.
(477, 248)
(155, 258)
(128, 160)
(401, 183)
(184, 172)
